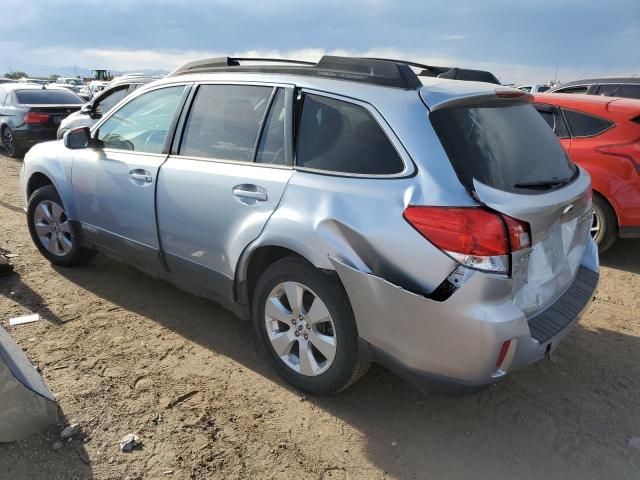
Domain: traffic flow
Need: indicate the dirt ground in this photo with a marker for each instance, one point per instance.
(124, 353)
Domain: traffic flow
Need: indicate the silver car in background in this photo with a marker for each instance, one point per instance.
(355, 210)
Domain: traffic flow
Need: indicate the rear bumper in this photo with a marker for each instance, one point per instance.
(455, 343)
(27, 137)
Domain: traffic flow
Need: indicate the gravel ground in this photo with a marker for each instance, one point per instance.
(124, 353)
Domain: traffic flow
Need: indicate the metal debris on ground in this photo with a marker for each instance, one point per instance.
(70, 430)
(24, 319)
(129, 442)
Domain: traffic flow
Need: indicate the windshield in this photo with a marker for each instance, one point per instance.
(47, 97)
(510, 148)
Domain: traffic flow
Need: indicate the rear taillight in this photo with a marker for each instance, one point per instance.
(34, 117)
(627, 150)
(475, 237)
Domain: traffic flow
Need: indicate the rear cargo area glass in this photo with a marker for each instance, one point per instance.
(502, 146)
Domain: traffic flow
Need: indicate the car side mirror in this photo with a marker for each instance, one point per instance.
(79, 138)
(86, 109)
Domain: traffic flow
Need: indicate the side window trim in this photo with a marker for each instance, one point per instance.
(409, 166)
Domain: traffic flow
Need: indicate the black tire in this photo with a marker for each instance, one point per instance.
(347, 366)
(11, 146)
(75, 255)
(608, 224)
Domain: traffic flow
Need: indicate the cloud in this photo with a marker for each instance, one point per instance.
(519, 40)
(140, 59)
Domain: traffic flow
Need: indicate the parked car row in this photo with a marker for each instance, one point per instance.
(32, 113)
(355, 210)
(602, 135)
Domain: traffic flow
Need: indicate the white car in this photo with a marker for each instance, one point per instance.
(533, 88)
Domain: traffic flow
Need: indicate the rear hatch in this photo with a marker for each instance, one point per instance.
(508, 158)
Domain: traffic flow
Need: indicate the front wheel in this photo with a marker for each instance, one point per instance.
(304, 321)
(54, 235)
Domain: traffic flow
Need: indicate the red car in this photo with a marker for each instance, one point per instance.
(602, 135)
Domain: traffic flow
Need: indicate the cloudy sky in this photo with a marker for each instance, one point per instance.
(520, 41)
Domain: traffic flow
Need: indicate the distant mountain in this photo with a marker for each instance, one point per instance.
(68, 71)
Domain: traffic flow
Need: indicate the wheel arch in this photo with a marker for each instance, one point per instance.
(257, 257)
(36, 181)
(611, 204)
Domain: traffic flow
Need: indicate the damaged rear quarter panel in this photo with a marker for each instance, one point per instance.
(360, 221)
(458, 338)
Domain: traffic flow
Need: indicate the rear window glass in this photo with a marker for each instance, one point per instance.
(343, 137)
(47, 97)
(543, 89)
(503, 147)
(583, 125)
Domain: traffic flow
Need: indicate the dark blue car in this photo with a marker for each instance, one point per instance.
(32, 113)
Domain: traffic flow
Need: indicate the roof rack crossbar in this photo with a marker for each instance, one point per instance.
(453, 73)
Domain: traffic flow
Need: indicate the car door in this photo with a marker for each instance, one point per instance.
(224, 179)
(114, 184)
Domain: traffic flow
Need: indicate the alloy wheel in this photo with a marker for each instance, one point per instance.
(300, 329)
(596, 225)
(8, 141)
(53, 228)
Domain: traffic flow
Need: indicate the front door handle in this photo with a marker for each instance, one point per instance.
(141, 176)
(250, 191)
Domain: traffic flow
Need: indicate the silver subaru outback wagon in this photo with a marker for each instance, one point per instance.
(356, 210)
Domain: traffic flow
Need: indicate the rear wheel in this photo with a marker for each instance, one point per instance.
(305, 323)
(604, 226)
(10, 144)
(53, 234)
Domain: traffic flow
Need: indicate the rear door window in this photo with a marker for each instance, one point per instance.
(553, 117)
(607, 89)
(576, 89)
(224, 122)
(583, 125)
(504, 147)
(629, 91)
(271, 149)
(338, 136)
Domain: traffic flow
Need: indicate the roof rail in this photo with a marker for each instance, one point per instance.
(453, 73)
(373, 71)
(208, 64)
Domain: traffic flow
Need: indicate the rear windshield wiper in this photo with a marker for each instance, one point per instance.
(543, 183)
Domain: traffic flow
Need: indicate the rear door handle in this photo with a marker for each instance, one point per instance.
(253, 192)
(141, 176)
